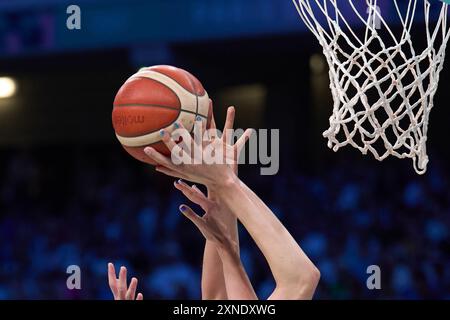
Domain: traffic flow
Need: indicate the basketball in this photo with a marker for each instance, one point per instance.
(153, 99)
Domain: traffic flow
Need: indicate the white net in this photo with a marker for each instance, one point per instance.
(385, 58)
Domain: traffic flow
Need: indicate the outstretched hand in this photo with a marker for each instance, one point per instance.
(193, 165)
(210, 224)
(215, 230)
(119, 286)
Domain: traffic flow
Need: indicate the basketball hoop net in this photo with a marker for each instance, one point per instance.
(383, 84)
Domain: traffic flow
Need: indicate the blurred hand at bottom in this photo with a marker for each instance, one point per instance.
(119, 286)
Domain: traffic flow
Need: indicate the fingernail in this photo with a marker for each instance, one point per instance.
(148, 150)
(183, 208)
(198, 118)
(176, 125)
(161, 133)
(180, 181)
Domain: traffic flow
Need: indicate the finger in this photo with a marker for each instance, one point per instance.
(191, 215)
(196, 220)
(176, 152)
(203, 124)
(185, 140)
(197, 142)
(229, 122)
(140, 296)
(191, 194)
(167, 139)
(170, 172)
(204, 133)
(198, 132)
(213, 121)
(200, 192)
(212, 127)
(131, 292)
(194, 188)
(122, 283)
(174, 148)
(212, 134)
(227, 133)
(243, 140)
(179, 125)
(112, 280)
(159, 158)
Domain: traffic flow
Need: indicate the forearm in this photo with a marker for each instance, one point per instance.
(237, 282)
(290, 266)
(213, 281)
(227, 216)
(214, 275)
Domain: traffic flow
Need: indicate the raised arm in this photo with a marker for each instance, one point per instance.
(213, 274)
(213, 280)
(295, 275)
(221, 239)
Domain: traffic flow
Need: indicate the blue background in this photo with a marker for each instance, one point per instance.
(70, 195)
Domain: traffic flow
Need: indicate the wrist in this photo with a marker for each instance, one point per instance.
(228, 250)
(217, 186)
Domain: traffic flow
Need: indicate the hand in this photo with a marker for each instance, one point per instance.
(197, 169)
(119, 286)
(226, 138)
(210, 224)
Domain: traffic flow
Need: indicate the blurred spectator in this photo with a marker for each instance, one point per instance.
(92, 209)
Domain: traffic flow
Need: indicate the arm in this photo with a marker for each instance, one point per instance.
(213, 280)
(237, 282)
(213, 272)
(295, 275)
(221, 238)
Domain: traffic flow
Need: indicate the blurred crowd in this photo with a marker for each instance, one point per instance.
(88, 207)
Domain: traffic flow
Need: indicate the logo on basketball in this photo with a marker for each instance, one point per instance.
(128, 120)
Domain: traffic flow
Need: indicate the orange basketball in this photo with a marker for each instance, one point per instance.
(155, 98)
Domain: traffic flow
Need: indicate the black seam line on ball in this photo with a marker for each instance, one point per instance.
(146, 105)
(160, 106)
